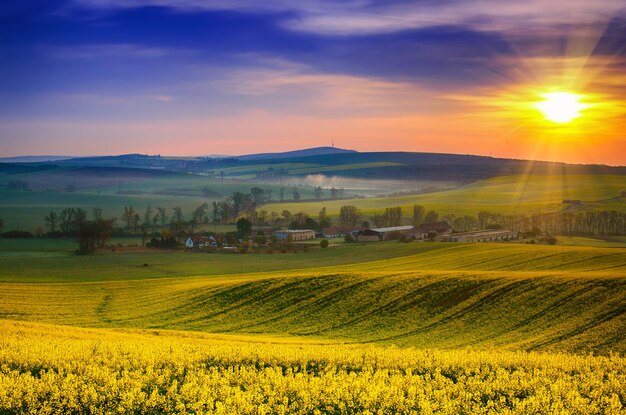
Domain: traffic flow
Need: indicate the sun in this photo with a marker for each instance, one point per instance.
(561, 107)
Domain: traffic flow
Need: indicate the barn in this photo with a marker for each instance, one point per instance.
(383, 234)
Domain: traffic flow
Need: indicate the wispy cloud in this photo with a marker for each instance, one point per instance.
(111, 50)
(360, 17)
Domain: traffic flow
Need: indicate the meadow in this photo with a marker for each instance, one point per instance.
(358, 328)
(504, 194)
(519, 194)
(509, 296)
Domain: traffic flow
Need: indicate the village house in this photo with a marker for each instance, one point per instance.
(383, 234)
(198, 241)
(294, 235)
(332, 232)
(425, 230)
(488, 235)
(264, 231)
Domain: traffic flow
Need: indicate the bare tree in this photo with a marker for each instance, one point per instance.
(51, 220)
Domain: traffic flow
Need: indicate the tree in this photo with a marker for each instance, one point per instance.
(324, 243)
(198, 215)
(238, 199)
(147, 216)
(51, 220)
(419, 214)
(162, 216)
(431, 217)
(262, 217)
(333, 193)
(177, 225)
(96, 213)
(128, 216)
(282, 194)
(136, 221)
(257, 195)
(92, 234)
(286, 216)
(391, 217)
(317, 192)
(244, 227)
(323, 219)
(349, 216)
(296, 194)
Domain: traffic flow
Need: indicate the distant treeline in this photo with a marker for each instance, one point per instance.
(92, 229)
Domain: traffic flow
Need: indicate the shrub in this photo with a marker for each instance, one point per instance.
(17, 234)
(324, 243)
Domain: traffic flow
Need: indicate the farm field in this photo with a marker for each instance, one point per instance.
(514, 297)
(385, 328)
(505, 194)
(154, 372)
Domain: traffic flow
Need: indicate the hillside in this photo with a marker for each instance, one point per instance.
(505, 194)
(515, 297)
(317, 151)
(389, 165)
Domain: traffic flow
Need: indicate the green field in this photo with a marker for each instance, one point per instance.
(428, 295)
(25, 210)
(506, 194)
(432, 328)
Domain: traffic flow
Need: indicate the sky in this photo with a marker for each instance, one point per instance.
(201, 77)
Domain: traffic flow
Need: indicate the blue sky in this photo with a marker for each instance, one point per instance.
(202, 77)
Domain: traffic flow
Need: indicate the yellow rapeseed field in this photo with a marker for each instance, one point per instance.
(47, 369)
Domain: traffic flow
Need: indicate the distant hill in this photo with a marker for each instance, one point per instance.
(316, 151)
(32, 159)
(332, 161)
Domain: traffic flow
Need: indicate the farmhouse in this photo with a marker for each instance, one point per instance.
(383, 234)
(294, 235)
(425, 230)
(264, 231)
(332, 232)
(198, 241)
(487, 235)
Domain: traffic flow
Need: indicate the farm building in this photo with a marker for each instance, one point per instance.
(265, 231)
(487, 235)
(383, 234)
(198, 241)
(332, 232)
(294, 235)
(424, 230)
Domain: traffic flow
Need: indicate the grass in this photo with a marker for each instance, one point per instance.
(612, 242)
(65, 266)
(506, 194)
(509, 297)
(433, 328)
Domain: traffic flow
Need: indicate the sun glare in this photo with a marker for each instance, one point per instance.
(561, 107)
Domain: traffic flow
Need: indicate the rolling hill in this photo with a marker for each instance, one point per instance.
(513, 297)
